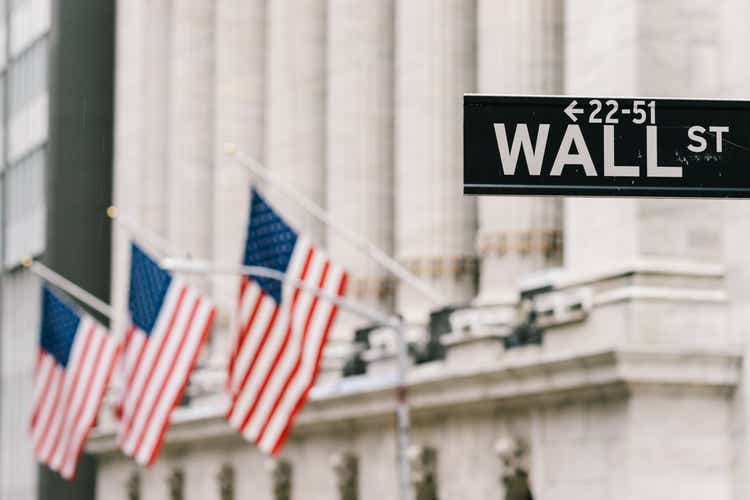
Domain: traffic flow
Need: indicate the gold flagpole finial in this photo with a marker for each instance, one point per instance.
(112, 212)
(230, 148)
(26, 262)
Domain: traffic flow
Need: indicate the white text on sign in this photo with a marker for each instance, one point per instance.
(574, 152)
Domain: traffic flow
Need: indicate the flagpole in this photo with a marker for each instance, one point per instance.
(402, 404)
(403, 418)
(68, 286)
(149, 239)
(378, 255)
(208, 267)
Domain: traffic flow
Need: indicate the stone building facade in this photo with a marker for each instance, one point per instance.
(637, 389)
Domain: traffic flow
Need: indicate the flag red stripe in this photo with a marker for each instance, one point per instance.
(246, 374)
(301, 401)
(128, 371)
(48, 423)
(43, 397)
(298, 360)
(37, 366)
(131, 415)
(243, 336)
(69, 435)
(244, 282)
(238, 340)
(172, 362)
(80, 363)
(181, 391)
(248, 414)
(78, 446)
(58, 456)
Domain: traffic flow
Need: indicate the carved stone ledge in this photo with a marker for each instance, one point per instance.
(547, 242)
(379, 287)
(442, 267)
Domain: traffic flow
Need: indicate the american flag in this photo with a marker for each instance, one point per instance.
(281, 329)
(76, 358)
(169, 322)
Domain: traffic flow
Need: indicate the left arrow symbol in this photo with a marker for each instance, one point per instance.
(572, 111)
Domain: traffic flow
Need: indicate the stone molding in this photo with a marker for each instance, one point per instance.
(380, 287)
(520, 379)
(435, 267)
(548, 242)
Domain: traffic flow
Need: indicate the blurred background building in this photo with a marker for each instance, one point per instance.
(56, 102)
(625, 382)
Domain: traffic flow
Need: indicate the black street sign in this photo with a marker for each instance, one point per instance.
(603, 146)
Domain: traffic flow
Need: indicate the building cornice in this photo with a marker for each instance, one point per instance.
(528, 376)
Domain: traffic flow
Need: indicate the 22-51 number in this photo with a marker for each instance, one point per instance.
(639, 112)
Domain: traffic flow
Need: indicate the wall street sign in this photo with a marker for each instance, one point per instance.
(602, 146)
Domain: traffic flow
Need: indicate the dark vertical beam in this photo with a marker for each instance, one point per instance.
(79, 170)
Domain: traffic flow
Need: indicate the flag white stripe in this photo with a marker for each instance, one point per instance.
(245, 351)
(46, 368)
(69, 386)
(181, 371)
(88, 371)
(132, 351)
(252, 291)
(45, 401)
(151, 351)
(163, 375)
(161, 364)
(247, 304)
(311, 343)
(244, 398)
(247, 396)
(295, 268)
(87, 366)
(254, 335)
(48, 405)
(304, 307)
(307, 370)
(92, 403)
(137, 345)
(96, 358)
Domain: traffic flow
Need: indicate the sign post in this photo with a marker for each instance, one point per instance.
(606, 146)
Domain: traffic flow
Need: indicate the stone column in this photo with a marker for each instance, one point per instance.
(155, 114)
(295, 105)
(191, 127)
(735, 84)
(520, 51)
(191, 137)
(240, 75)
(435, 223)
(129, 155)
(644, 56)
(359, 143)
